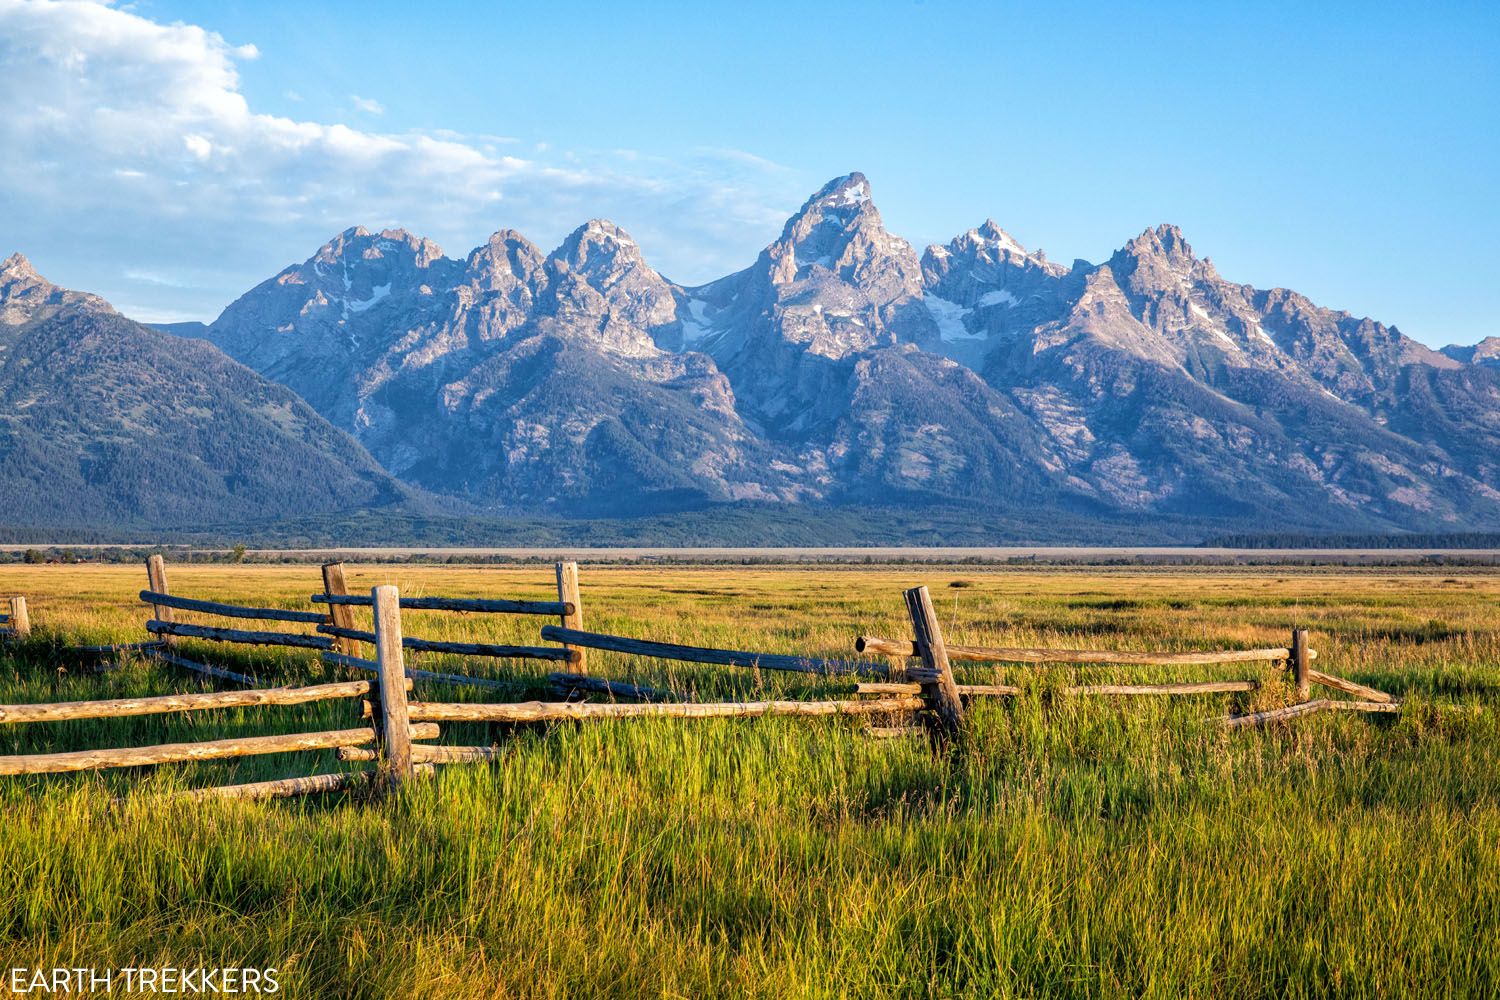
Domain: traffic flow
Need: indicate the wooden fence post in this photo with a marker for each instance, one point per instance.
(567, 593)
(936, 678)
(1299, 664)
(156, 579)
(20, 618)
(340, 615)
(393, 725)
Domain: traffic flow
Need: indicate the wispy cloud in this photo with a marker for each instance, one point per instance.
(130, 142)
(367, 104)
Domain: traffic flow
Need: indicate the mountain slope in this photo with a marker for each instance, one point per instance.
(103, 420)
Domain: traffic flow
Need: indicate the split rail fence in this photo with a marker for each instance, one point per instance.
(921, 684)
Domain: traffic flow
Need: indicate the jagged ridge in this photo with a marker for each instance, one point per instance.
(841, 366)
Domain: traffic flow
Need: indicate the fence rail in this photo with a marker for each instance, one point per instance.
(119, 708)
(706, 654)
(986, 654)
(242, 636)
(232, 610)
(544, 711)
(481, 605)
(167, 753)
(494, 650)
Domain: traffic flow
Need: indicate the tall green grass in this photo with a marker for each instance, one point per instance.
(1062, 847)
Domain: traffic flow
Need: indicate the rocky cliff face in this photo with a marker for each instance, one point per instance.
(839, 366)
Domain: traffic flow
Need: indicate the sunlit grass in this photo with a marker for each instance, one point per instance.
(1062, 847)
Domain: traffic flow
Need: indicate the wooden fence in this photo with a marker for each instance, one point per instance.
(165, 753)
(921, 683)
(929, 680)
(934, 675)
(568, 608)
(334, 634)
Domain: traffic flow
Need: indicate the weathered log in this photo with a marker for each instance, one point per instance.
(458, 648)
(231, 610)
(393, 726)
(202, 668)
(615, 689)
(1205, 687)
(1363, 706)
(1348, 687)
(284, 788)
(353, 634)
(908, 648)
(893, 732)
(482, 605)
(1276, 714)
(339, 615)
(572, 617)
(111, 648)
(704, 654)
(339, 659)
(118, 708)
(244, 637)
(167, 753)
(1299, 664)
(887, 687)
(156, 581)
(966, 690)
(19, 618)
(432, 754)
(536, 711)
(938, 687)
(358, 663)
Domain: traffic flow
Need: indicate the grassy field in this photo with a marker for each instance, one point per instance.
(1063, 847)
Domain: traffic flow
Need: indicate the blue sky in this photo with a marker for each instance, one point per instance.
(186, 151)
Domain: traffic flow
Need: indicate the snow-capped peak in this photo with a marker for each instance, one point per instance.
(991, 234)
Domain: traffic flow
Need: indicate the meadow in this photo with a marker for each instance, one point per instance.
(1060, 847)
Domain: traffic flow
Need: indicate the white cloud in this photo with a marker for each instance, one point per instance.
(129, 142)
(367, 104)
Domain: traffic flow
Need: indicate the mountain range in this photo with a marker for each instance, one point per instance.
(840, 369)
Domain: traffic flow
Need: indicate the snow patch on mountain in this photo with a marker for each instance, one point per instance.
(949, 317)
(999, 296)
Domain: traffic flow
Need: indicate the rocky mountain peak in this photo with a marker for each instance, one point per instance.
(991, 233)
(1164, 242)
(507, 260)
(26, 295)
(842, 193)
(839, 234)
(601, 286)
(16, 267)
(598, 248)
(988, 244)
(841, 206)
(358, 244)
